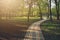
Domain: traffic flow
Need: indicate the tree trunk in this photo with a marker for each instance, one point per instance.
(50, 10)
(57, 9)
(30, 6)
(40, 13)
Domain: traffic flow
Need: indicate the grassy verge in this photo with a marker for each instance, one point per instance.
(51, 30)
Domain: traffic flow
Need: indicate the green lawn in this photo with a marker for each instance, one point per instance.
(22, 20)
(51, 29)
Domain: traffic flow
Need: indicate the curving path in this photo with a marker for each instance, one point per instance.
(34, 32)
(12, 31)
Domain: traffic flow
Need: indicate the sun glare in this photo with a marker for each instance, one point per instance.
(9, 6)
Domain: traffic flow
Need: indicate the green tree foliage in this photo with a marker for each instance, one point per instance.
(31, 8)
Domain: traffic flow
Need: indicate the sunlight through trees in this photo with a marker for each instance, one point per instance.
(30, 8)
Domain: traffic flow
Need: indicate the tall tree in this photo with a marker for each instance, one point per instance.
(50, 10)
(29, 3)
(57, 8)
(39, 5)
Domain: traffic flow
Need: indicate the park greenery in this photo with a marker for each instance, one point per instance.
(31, 8)
(25, 12)
(29, 11)
(51, 29)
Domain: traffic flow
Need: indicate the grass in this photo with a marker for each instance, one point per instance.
(12, 27)
(51, 30)
(24, 20)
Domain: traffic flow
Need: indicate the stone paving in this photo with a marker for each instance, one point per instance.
(34, 31)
